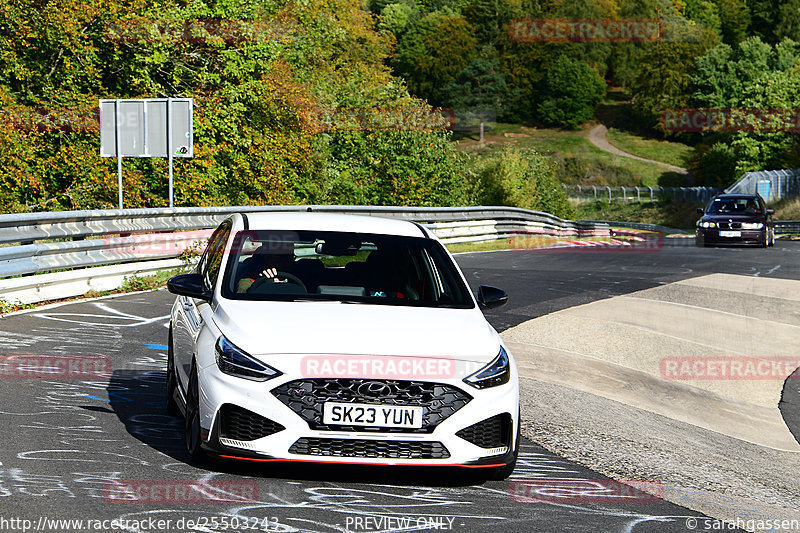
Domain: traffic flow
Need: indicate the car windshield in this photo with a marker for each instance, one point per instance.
(347, 267)
(734, 206)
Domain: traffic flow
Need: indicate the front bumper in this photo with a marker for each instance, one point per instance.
(756, 237)
(464, 427)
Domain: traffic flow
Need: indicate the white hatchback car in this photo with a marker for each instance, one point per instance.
(339, 338)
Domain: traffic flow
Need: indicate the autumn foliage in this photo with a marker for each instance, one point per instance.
(259, 72)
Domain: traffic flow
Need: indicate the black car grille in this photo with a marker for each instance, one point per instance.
(729, 225)
(238, 423)
(377, 449)
(490, 433)
(306, 398)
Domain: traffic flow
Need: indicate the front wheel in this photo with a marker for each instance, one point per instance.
(193, 436)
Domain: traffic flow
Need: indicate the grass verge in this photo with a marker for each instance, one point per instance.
(672, 153)
(579, 161)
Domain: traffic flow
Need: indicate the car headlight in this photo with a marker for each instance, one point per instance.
(752, 225)
(708, 224)
(234, 362)
(498, 372)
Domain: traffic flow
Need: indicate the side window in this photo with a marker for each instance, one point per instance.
(212, 259)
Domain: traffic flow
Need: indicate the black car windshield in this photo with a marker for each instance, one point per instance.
(734, 206)
(347, 267)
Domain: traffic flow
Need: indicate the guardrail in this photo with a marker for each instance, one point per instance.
(44, 256)
(787, 227)
(640, 226)
(640, 194)
(121, 243)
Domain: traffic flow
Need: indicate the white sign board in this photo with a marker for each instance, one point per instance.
(147, 127)
(143, 127)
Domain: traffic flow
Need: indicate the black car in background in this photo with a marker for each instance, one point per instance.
(735, 219)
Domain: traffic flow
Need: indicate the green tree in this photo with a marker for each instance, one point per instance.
(261, 73)
(481, 86)
(751, 76)
(572, 90)
(396, 17)
(434, 51)
(735, 18)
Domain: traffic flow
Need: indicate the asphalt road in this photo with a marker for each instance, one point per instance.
(68, 445)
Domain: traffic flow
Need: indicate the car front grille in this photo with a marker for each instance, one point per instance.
(375, 449)
(490, 433)
(237, 423)
(306, 398)
(729, 225)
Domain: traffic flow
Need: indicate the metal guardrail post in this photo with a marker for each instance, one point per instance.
(594, 188)
(609, 195)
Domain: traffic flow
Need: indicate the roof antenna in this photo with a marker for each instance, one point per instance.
(308, 210)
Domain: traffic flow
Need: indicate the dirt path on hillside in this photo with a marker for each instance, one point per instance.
(597, 136)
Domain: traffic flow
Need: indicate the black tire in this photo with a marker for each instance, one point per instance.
(193, 437)
(502, 472)
(172, 385)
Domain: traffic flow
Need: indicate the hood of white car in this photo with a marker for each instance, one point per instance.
(262, 328)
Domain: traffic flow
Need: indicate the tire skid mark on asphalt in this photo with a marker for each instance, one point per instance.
(637, 517)
(115, 316)
(141, 381)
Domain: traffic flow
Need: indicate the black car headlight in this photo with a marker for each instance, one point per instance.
(752, 225)
(235, 362)
(498, 372)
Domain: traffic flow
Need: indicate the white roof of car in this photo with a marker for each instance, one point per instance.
(333, 222)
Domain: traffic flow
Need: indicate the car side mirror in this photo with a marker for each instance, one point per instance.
(770, 211)
(491, 297)
(190, 285)
(700, 211)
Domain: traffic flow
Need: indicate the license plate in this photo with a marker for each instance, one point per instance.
(730, 233)
(361, 414)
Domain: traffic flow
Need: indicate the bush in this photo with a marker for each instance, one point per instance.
(520, 178)
(714, 166)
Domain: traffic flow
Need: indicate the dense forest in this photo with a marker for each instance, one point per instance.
(337, 101)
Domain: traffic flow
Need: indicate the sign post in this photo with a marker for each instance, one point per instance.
(150, 127)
